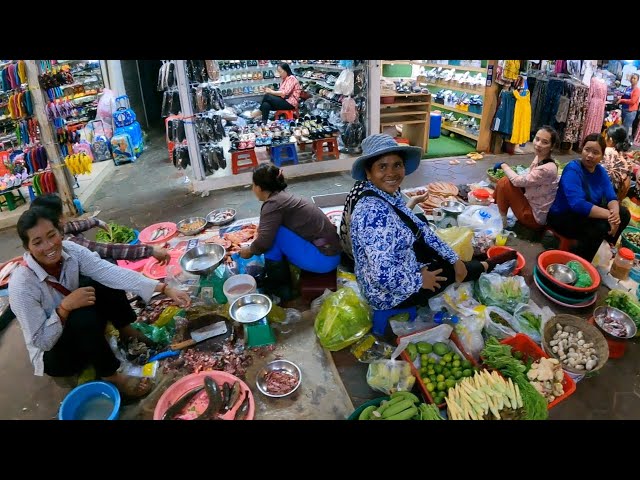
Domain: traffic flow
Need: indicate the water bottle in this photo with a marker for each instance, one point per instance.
(443, 316)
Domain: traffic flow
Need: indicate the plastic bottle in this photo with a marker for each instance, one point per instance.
(622, 264)
(443, 316)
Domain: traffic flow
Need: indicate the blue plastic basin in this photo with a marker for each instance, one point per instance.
(91, 401)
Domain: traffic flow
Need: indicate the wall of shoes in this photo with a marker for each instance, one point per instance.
(247, 78)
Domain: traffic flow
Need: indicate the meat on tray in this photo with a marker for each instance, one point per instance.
(234, 241)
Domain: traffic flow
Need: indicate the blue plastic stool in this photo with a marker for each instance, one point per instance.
(381, 318)
(284, 153)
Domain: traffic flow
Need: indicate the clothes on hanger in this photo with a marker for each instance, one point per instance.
(595, 107)
(521, 118)
(503, 119)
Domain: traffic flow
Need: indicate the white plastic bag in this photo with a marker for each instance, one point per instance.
(344, 83)
(388, 376)
(457, 298)
(105, 108)
(496, 329)
(480, 218)
(469, 331)
(522, 325)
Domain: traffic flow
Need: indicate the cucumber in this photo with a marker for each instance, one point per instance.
(364, 415)
(399, 407)
(405, 414)
(406, 395)
(412, 351)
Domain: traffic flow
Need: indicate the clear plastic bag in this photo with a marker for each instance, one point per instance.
(344, 83)
(499, 324)
(469, 331)
(388, 376)
(459, 239)
(529, 319)
(482, 219)
(348, 111)
(503, 292)
(457, 298)
(343, 319)
(317, 302)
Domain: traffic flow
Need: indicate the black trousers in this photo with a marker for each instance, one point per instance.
(83, 342)
(588, 231)
(422, 296)
(273, 102)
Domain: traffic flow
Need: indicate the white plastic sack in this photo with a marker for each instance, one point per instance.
(498, 329)
(469, 331)
(521, 325)
(480, 218)
(456, 298)
(105, 107)
(344, 83)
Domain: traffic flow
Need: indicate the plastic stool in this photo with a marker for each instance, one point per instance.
(330, 143)
(312, 285)
(32, 194)
(381, 318)
(565, 242)
(285, 152)
(288, 114)
(240, 158)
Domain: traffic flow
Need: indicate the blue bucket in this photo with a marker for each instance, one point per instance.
(135, 238)
(91, 401)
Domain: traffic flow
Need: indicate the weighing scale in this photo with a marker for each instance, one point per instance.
(446, 215)
(251, 310)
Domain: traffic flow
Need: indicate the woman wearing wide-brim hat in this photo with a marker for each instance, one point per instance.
(399, 261)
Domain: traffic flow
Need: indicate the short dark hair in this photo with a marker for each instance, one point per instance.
(620, 137)
(30, 219)
(269, 178)
(50, 201)
(595, 137)
(285, 66)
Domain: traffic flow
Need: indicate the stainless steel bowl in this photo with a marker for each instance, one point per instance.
(250, 308)
(562, 273)
(203, 259)
(194, 231)
(601, 313)
(277, 366)
(451, 206)
(219, 211)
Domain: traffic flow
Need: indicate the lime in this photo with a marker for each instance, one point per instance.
(430, 387)
(450, 383)
(441, 386)
(438, 368)
(456, 363)
(456, 357)
(448, 357)
(467, 372)
(424, 370)
(431, 361)
(430, 371)
(424, 359)
(466, 364)
(446, 372)
(440, 378)
(433, 378)
(457, 373)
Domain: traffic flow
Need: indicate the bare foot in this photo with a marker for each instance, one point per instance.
(130, 387)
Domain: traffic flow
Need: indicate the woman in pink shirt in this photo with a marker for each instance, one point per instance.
(286, 97)
(530, 196)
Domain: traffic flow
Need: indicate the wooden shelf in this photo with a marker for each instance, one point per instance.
(403, 112)
(457, 67)
(457, 89)
(437, 106)
(402, 104)
(460, 131)
(401, 120)
(396, 94)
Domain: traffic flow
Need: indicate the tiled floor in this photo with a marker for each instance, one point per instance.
(151, 190)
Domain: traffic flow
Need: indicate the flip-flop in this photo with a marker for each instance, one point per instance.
(454, 162)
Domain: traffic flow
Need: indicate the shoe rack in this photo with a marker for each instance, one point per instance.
(246, 78)
(445, 80)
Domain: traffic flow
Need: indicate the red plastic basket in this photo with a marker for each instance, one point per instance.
(416, 373)
(522, 343)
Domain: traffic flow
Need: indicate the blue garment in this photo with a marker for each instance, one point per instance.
(503, 120)
(385, 262)
(572, 197)
(300, 252)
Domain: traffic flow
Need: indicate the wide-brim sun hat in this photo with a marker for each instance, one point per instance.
(380, 144)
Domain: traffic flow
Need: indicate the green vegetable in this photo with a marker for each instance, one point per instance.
(533, 320)
(584, 279)
(364, 415)
(623, 301)
(440, 348)
(116, 234)
(343, 318)
(424, 347)
(412, 351)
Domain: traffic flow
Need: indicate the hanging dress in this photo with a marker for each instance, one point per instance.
(595, 109)
(521, 118)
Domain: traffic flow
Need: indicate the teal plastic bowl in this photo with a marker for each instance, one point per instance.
(626, 243)
(376, 402)
(91, 401)
(557, 296)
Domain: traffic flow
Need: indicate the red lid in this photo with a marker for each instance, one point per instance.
(481, 193)
(626, 253)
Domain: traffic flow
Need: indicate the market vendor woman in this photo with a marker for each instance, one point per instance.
(64, 323)
(586, 207)
(399, 261)
(291, 230)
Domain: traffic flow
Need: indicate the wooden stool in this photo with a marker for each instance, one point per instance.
(332, 147)
(239, 160)
(381, 318)
(565, 242)
(285, 152)
(312, 285)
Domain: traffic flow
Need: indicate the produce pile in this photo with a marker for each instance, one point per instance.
(546, 376)
(438, 193)
(572, 349)
(633, 237)
(116, 234)
(583, 278)
(402, 405)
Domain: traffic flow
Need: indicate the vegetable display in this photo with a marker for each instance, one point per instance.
(116, 234)
(546, 376)
(402, 405)
(573, 350)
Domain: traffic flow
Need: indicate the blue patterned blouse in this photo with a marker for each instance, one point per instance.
(385, 263)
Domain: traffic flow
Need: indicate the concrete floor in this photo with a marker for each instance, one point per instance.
(152, 190)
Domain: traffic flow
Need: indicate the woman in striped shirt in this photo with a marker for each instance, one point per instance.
(286, 97)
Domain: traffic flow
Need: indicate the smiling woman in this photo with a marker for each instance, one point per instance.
(63, 316)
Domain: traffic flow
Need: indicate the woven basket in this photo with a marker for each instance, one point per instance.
(590, 334)
(492, 178)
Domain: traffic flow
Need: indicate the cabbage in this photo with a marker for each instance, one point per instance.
(343, 318)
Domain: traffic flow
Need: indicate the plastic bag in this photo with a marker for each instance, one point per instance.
(317, 302)
(530, 319)
(388, 376)
(167, 315)
(505, 269)
(105, 109)
(498, 323)
(503, 292)
(459, 239)
(482, 219)
(253, 266)
(424, 319)
(584, 279)
(348, 111)
(369, 349)
(469, 331)
(457, 298)
(343, 319)
(161, 335)
(344, 83)
(603, 255)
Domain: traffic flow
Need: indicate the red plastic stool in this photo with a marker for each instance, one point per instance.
(239, 160)
(565, 243)
(330, 143)
(288, 114)
(312, 285)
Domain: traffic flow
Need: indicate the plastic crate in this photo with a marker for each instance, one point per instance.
(457, 347)
(523, 343)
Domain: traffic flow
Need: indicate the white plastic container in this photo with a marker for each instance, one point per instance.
(238, 285)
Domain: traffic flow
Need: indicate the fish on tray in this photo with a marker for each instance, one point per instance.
(212, 403)
(159, 233)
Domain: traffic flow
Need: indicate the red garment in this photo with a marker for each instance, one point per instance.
(633, 101)
(595, 111)
(291, 89)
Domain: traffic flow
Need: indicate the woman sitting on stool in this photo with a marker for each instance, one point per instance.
(285, 98)
(291, 229)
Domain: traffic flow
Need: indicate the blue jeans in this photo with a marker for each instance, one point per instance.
(300, 252)
(627, 120)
